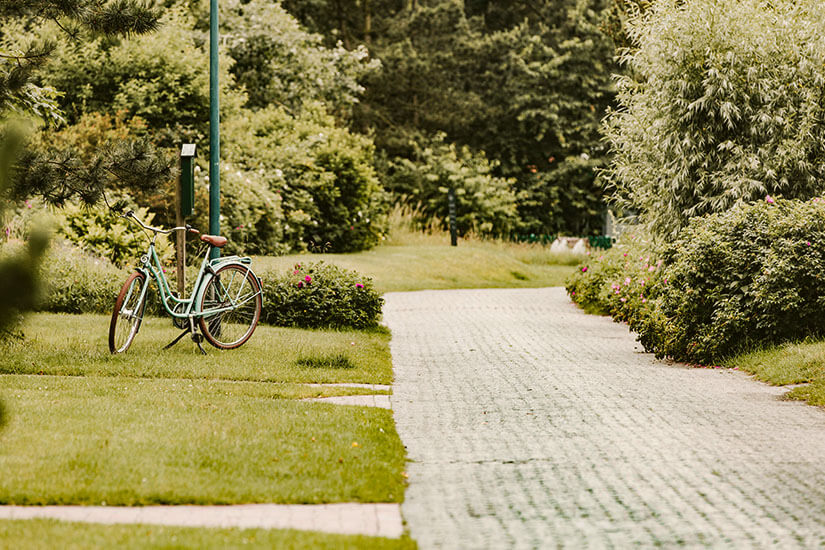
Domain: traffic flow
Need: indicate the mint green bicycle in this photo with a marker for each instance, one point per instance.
(225, 302)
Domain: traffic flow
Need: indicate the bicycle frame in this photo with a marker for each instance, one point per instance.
(150, 265)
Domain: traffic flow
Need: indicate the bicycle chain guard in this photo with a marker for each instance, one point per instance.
(179, 322)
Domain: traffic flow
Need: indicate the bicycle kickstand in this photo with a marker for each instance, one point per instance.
(197, 338)
(176, 340)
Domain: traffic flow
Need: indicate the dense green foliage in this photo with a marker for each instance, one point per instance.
(109, 236)
(78, 282)
(747, 278)
(319, 176)
(744, 278)
(525, 83)
(485, 204)
(320, 295)
(721, 105)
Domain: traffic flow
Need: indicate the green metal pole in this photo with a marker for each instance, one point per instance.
(214, 130)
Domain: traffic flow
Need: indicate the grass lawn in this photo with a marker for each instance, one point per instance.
(789, 364)
(416, 261)
(77, 345)
(131, 441)
(37, 534)
(153, 426)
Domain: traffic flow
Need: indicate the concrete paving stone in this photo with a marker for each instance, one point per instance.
(375, 387)
(529, 424)
(381, 401)
(378, 520)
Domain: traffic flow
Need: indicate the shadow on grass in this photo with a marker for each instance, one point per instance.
(337, 361)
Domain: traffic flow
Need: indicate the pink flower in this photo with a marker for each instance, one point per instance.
(644, 301)
(295, 272)
(359, 285)
(573, 293)
(808, 243)
(769, 199)
(624, 299)
(627, 280)
(625, 254)
(308, 279)
(28, 204)
(300, 284)
(351, 227)
(584, 269)
(651, 268)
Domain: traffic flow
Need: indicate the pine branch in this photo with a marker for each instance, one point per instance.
(58, 176)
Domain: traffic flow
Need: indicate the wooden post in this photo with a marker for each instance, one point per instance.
(180, 237)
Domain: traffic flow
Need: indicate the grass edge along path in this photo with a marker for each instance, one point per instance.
(76, 345)
(792, 363)
(44, 534)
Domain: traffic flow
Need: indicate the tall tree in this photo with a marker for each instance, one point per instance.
(525, 82)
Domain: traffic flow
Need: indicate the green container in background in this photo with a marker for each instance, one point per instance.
(187, 179)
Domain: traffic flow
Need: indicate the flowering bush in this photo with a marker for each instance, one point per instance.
(623, 282)
(320, 295)
(747, 278)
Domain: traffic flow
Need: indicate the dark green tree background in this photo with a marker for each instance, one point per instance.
(527, 83)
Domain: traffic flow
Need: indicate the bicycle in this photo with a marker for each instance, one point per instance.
(225, 302)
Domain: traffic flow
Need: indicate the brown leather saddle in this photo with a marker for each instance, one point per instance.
(214, 240)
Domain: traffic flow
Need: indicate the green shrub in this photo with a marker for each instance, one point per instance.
(78, 282)
(320, 295)
(329, 194)
(108, 235)
(721, 104)
(485, 204)
(750, 277)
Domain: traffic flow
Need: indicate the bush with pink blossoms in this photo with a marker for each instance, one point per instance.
(320, 295)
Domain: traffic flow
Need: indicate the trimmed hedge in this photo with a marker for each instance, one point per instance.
(747, 278)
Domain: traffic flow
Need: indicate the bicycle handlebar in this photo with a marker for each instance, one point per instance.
(131, 215)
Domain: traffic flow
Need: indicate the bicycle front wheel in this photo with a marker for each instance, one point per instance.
(128, 313)
(234, 287)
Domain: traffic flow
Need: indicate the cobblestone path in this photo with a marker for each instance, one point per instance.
(532, 425)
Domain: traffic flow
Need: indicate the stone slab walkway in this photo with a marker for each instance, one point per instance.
(378, 520)
(532, 425)
(379, 400)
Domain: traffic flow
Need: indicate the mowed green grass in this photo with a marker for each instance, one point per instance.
(40, 534)
(127, 441)
(77, 345)
(174, 427)
(793, 363)
(417, 261)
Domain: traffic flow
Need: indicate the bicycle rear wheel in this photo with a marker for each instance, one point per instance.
(128, 313)
(232, 284)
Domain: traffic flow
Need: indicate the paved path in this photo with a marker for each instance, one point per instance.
(380, 520)
(532, 425)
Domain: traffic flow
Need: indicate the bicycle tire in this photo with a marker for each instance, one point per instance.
(231, 329)
(126, 317)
